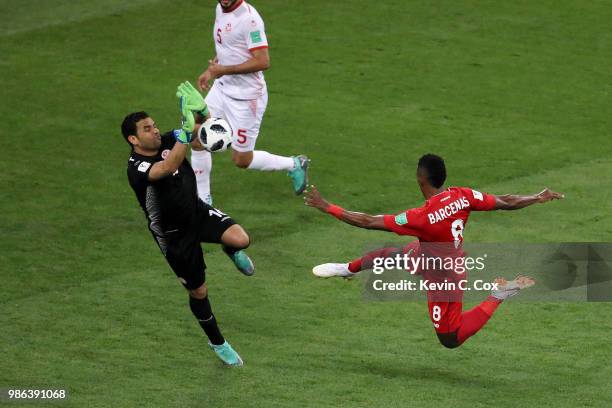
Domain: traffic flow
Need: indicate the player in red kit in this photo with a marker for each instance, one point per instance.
(439, 226)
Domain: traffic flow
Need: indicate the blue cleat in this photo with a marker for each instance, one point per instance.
(227, 354)
(243, 263)
(299, 175)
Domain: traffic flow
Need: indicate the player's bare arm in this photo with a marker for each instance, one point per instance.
(260, 61)
(206, 76)
(167, 167)
(183, 136)
(516, 202)
(313, 198)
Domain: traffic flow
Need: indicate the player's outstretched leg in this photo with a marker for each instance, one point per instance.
(200, 307)
(346, 270)
(296, 166)
(201, 161)
(235, 240)
(474, 319)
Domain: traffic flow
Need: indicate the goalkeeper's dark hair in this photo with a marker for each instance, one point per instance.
(435, 168)
(128, 126)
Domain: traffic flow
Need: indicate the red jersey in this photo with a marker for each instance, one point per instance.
(443, 217)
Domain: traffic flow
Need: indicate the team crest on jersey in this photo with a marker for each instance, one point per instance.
(401, 219)
(228, 27)
(165, 154)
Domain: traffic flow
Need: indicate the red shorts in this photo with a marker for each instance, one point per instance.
(445, 305)
(445, 316)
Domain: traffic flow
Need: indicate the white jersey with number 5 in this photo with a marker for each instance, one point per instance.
(236, 34)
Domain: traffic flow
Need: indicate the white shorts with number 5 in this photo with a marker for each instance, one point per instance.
(244, 116)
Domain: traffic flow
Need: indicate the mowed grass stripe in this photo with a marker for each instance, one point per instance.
(24, 16)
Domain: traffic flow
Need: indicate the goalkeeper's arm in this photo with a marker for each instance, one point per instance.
(183, 135)
(172, 162)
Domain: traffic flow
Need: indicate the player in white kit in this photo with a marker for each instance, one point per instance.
(239, 95)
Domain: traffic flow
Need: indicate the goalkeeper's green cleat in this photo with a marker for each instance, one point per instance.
(227, 354)
(243, 263)
(299, 175)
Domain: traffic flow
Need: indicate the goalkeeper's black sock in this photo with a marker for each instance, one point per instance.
(230, 251)
(202, 311)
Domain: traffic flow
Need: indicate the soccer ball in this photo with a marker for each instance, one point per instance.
(215, 135)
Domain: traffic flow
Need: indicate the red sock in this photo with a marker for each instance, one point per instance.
(367, 260)
(355, 266)
(474, 319)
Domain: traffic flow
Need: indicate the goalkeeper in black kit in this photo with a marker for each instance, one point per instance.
(179, 221)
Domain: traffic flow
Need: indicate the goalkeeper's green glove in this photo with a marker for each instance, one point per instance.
(183, 135)
(193, 98)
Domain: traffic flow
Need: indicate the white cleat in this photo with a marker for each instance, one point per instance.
(506, 289)
(332, 269)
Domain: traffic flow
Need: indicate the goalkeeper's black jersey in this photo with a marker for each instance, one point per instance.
(169, 203)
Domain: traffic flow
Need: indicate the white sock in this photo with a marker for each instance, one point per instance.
(265, 161)
(201, 161)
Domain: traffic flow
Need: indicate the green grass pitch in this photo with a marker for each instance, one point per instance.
(514, 95)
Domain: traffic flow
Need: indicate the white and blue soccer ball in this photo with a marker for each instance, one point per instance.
(215, 135)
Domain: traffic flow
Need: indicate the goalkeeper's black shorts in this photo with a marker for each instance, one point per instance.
(182, 248)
